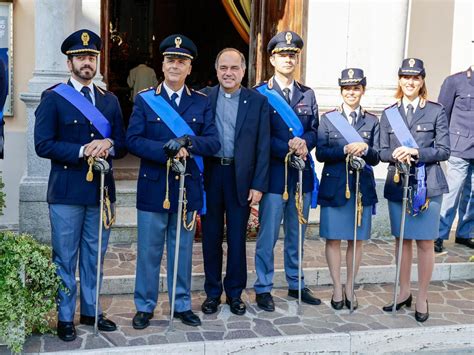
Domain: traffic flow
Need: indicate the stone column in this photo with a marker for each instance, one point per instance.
(54, 20)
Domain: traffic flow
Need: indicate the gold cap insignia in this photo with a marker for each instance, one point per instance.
(288, 37)
(178, 41)
(411, 62)
(85, 38)
(350, 73)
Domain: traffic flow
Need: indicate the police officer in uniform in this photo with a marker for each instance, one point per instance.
(457, 96)
(426, 124)
(284, 49)
(337, 191)
(67, 134)
(152, 136)
(3, 98)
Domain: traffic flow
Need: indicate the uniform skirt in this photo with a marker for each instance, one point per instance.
(423, 226)
(337, 223)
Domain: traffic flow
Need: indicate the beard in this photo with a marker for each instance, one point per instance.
(85, 72)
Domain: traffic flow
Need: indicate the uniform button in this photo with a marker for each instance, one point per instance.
(350, 172)
(194, 120)
(65, 166)
(157, 118)
(75, 121)
(291, 129)
(144, 175)
(92, 134)
(424, 129)
(335, 135)
(457, 132)
(274, 112)
(90, 122)
(245, 101)
(176, 177)
(327, 174)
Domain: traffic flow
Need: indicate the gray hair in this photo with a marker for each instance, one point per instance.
(242, 57)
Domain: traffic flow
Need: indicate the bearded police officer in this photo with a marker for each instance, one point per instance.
(74, 122)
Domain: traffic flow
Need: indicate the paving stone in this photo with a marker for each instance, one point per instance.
(286, 320)
(215, 325)
(157, 339)
(208, 335)
(53, 343)
(315, 330)
(176, 337)
(294, 330)
(265, 328)
(137, 341)
(240, 334)
(238, 325)
(350, 327)
(32, 345)
(461, 304)
(194, 336)
(116, 338)
(238, 318)
(93, 341)
(376, 326)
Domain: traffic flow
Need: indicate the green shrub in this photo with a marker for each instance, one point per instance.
(28, 288)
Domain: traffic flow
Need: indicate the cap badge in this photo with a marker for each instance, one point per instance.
(85, 38)
(350, 73)
(288, 37)
(411, 63)
(178, 41)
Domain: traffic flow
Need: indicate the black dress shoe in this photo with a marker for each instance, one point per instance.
(104, 324)
(469, 242)
(188, 318)
(348, 302)
(141, 320)
(406, 303)
(438, 245)
(337, 305)
(236, 305)
(421, 317)
(210, 305)
(265, 301)
(66, 331)
(306, 296)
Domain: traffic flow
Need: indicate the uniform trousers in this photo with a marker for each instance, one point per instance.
(153, 229)
(271, 212)
(75, 231)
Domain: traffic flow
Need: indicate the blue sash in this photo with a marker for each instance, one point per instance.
(349, 133)
(177, 125)
(406, 139)
(91, 112)
(292, 121)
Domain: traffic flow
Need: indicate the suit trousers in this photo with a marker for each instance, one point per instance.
(74, 236)
(153, 229)
(272, 209)
(222, 201)
(460, 197)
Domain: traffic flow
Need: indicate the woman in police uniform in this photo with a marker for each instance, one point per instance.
(338, 183)
(428, 125)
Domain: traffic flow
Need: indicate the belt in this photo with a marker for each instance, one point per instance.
(222, 161)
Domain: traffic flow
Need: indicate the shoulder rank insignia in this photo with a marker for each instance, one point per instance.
(199, 92)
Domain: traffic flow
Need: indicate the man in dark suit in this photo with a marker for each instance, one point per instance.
(3, 98)
(294, 122)
(74, 122)
(457, 96)
(235, 178)
(159, 115)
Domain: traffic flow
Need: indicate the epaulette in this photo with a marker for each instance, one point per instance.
(433, 102)
(339, 109)
(52, 87)
(100, 90)
(259, 84)
(198, 92)
(146, 89)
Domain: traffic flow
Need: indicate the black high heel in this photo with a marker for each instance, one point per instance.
(348, 302)
(406, 303)
(421, 317)
(338, 305)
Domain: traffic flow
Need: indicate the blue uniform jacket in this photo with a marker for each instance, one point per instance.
(60, 132)
(457, 96)
(251, 144)
(146, 135)
(429, 128)
(330, 151)
(304, 104)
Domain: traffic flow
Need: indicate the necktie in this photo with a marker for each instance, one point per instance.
(286, 94)
(409, 114)
(87, 93)
(173, 100)
(353, 114)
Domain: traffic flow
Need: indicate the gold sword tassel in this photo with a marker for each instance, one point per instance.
(166, 202)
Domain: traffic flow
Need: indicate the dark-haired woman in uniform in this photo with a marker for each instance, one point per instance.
(427, 124)
(347, 130)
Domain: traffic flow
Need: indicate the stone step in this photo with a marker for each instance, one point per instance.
(288, 330)
(377, 265)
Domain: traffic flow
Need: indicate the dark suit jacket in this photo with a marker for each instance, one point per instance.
(429, 128)
(3, 98)
(330, 151)
(457, 96)
(60, 132)
(304, 104)
(147, 134)
(251, 144)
